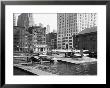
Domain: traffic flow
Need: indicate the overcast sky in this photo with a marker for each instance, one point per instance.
(45, 19)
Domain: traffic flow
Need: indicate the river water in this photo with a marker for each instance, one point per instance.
(64, 68)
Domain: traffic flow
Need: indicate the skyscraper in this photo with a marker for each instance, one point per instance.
(48, 29)
(66, 26)
(86, 20)
(40, 24)
(25, 20)
(69, 24)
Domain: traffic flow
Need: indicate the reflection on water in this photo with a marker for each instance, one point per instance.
(63, 68)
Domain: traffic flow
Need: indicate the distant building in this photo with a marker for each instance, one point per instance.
(48, 29)
(54, 31)
(69, 24)
(51, 40)
(39, 39)
(25, 20)
(40, 24)
(86, 39)
(14, 20)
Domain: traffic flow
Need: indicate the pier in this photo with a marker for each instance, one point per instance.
(32, 69)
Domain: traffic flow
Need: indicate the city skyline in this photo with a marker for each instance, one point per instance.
(44, 19)
(50, 19)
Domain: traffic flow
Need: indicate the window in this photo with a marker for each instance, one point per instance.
(66, 37)
(59, 38)
(70, 37)
(59, 41)
(66, 40)
(70, 40)
(44, 39)
(63, 44)
(58, 35)
(59, 44)
(70, 46)
(70, 43)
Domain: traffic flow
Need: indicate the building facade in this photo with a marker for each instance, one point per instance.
(22, 39)
(48, 29)
(86, 39)
(86, 20)
(16, 38)
(51, 40)
(39, 39)
(66, 27)
(69, 24)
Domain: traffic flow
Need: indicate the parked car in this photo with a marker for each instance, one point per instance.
(86, 53)
(79, 54)
(93, 54)
(69, 54)
(35, 58)
(44, 58)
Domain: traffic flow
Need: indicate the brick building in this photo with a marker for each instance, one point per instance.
(22, 39)
(51, 40)
(86, 39)
(39, 39)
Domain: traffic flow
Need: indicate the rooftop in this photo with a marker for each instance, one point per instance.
(88, 30)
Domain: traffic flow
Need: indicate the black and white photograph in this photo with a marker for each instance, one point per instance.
(55, 44)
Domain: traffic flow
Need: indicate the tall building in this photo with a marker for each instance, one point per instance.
(40, 24)
(25, 20)
(86, 20)
(66, 26)
(69, 24)
(48, 29)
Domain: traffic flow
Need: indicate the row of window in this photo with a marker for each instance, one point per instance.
(65, 35)
(65, 41)
(63, 47)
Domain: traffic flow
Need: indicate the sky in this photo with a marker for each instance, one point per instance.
(45, 19)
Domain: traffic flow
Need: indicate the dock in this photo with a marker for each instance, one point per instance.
(32, 70)
(77, 60)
